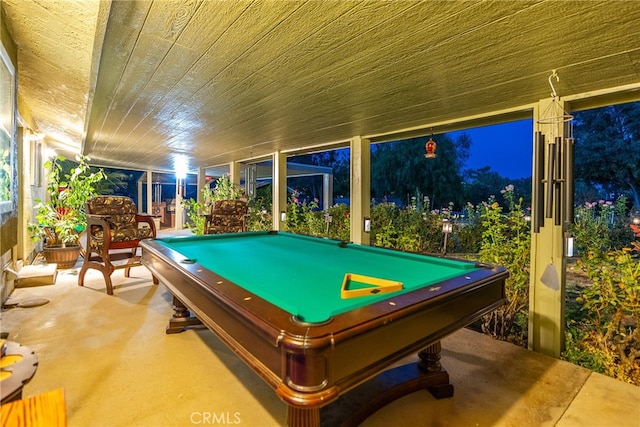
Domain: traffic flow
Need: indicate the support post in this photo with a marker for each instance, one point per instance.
(179, 212)
(279, 189)
(234, 173)
(149, 191)
(360, 189)
(200, 183)
(327, 190)
(547, 286)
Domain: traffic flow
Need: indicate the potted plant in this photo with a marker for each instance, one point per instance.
(61, 218)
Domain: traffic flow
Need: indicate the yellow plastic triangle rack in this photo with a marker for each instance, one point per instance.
(377, 286)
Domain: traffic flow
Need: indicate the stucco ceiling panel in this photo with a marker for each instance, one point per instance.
(344, 68)
(224, 80)
(275, 115)
(634, 59)
(120, 35)
(611, 71)
(135, 80)
(55, 44)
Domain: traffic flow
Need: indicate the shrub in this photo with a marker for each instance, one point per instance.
(195, 212)
(412, 229)
(603, 334)
(506, 241)
(305, 217)
(61, 218)
(467, 232)
(260, 218)
(606, 337)
(500, 238)
(635, 246)
(300, 217)
(340, 225)
(601, 225)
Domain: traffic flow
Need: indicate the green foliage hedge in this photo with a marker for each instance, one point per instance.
(602, 331)
(606, 334)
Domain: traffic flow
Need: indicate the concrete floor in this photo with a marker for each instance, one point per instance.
(118, 368)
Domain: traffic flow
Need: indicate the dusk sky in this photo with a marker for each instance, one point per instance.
(506, 148)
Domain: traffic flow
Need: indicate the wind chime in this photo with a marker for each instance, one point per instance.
(553, 191)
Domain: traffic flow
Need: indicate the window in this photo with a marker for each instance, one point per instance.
(7, 130)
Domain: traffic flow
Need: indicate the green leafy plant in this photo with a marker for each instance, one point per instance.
(414, 229)
(340, 225)
(601, 225)
(259, 219)
(305, 217)
(223, 189)
(607, 330)
(602, 332)
(260, 216)
(467, 230)
(5, 175)
(506, 241)
(195, 212)
(61, 217)
(635, 245)
(579, 352)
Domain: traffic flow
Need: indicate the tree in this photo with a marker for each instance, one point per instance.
(399, 169)
(482, 183)
(607, 150)
(113, 180)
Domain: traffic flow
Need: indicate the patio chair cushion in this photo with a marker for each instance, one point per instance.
(120, 213)
(227, 216)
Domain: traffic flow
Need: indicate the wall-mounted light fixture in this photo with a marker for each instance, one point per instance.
(367, 225)
(447, 227)
(328, 219)
(569, 251)
(283, 216)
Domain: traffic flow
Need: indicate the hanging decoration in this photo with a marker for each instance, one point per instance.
(553, 192)
(430, 147)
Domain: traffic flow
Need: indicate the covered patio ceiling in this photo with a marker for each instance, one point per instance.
(134, 84)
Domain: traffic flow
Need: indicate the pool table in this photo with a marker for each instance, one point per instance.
(316, 318)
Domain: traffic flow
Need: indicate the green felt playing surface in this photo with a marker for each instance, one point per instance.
(304, 275)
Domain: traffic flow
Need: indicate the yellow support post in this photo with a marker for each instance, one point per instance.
(360, 190)
(547, 287)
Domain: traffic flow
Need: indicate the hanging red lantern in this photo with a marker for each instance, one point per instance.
(430, 146)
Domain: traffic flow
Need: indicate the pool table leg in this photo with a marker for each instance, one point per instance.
(351, 409)
(430, 363)
(299, 417)
(181, 318)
